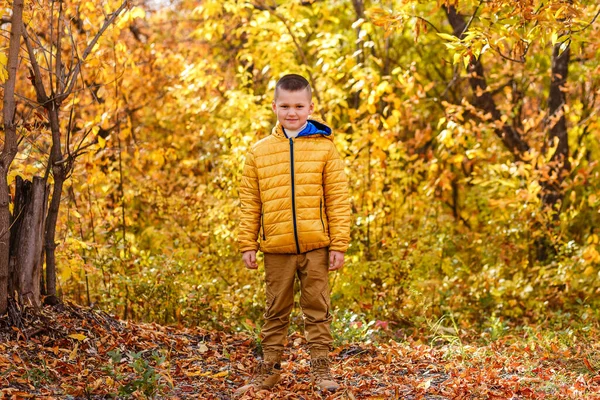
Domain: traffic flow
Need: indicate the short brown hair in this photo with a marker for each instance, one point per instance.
(293, 83)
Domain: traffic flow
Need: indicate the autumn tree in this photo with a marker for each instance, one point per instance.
(9, 149)
(55, 60)
(511, 134)
(451, 119)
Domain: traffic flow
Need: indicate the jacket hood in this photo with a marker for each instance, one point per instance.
(313, 127)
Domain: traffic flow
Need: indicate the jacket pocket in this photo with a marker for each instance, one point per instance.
(321, 213)
(262, 222)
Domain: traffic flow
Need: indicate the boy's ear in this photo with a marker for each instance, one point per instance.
(274, 106)
(311, 108)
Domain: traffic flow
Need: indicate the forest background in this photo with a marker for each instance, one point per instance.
(469, 130)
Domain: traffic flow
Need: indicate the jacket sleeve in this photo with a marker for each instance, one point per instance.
(337, 201)
(250, 205)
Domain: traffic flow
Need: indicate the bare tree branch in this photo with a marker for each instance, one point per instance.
(590, 24)
(72, 76)
(427, 22)
(38, 84)
(520, 60)
(60, 83)
(52, 55)
(466, 28)
(34, 36)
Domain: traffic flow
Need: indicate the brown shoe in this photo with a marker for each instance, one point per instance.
(266, 376)
(321, 374)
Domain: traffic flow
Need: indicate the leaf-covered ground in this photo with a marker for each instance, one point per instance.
(70, 352)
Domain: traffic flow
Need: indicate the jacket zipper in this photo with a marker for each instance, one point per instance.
(321, 212)
(294, 196)
(262, 221)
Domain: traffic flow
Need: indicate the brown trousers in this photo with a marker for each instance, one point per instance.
(280, 273)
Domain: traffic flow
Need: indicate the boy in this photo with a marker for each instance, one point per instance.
(294, 192)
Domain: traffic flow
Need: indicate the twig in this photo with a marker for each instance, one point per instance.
(69, 129)
(521, 61)
(427, 22)
(36, 40)
(455, 77)
(73, 74)
(460, 35)
(466, 28)
(52, 55)
(590, 23)
(60, 83)
(42, 98)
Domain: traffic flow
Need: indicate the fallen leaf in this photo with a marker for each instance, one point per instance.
(73, 353)
(589, 365)
(425, 384)
(221, 374)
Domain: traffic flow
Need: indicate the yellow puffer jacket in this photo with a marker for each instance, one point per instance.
(294, 192)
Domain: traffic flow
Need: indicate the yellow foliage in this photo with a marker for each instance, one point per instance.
(175, 98)
(3, 63)
(591, 255)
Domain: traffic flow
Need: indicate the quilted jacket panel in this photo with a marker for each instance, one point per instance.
(285, 212)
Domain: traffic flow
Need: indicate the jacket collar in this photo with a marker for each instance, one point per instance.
(313, 127)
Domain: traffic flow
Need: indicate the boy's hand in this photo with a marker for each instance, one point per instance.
(249, 258)
(336, 260)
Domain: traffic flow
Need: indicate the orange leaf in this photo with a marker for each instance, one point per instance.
(589, 365)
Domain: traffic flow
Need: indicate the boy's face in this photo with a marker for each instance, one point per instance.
(292, 108)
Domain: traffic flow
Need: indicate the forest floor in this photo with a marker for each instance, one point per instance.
(72, 352)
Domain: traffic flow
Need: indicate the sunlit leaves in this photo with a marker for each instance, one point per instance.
(3, 71)
(177, 97)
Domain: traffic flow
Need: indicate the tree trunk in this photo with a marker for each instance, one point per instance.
(10, 146)
(557, 122)
(26, 242)
(59, 174)
(4, 241)
(50, 243)
(559, 166)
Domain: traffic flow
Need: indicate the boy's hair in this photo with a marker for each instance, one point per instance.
(293, 83)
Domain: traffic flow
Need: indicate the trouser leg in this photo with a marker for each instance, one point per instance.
(314, 299)
(280, 270)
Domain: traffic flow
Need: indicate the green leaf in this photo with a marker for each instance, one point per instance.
(447, 37)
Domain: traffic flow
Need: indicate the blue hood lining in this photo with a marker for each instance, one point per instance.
(314, 128)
